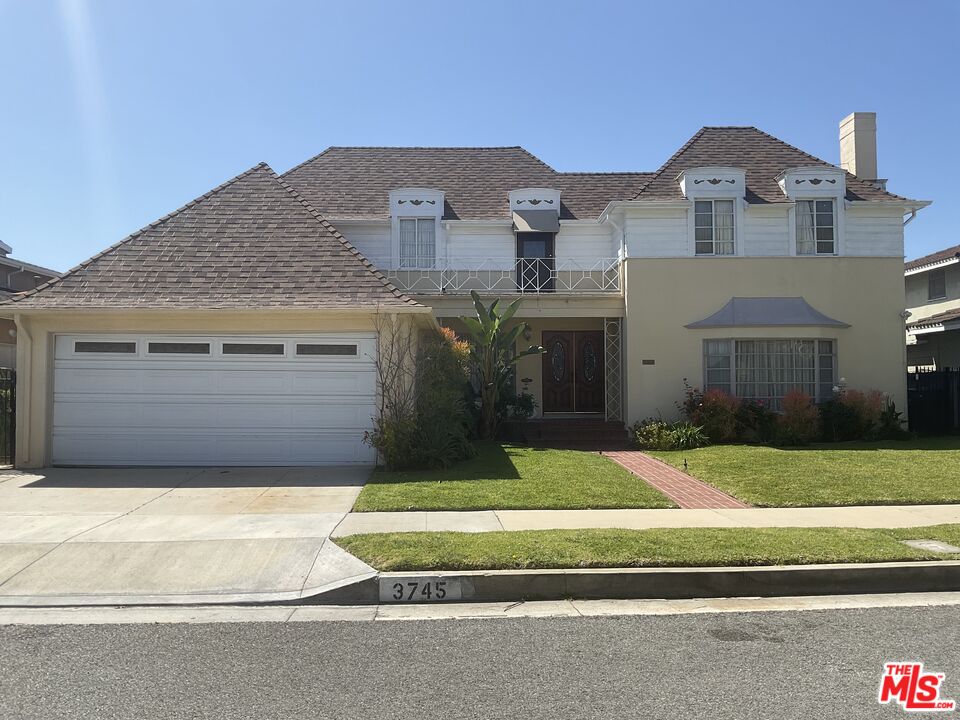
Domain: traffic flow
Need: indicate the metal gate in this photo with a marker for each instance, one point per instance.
(933, 401)
(8, 415)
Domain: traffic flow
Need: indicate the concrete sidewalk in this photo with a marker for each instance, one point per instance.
(874, 516)
(178, 535)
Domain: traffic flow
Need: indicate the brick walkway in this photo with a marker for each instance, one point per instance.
(685, 491)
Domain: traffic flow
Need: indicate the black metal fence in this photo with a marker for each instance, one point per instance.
(933, 401)
(8, 415)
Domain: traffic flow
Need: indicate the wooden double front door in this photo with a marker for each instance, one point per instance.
(573, 371)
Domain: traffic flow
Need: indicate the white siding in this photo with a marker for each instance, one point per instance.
(657, 233)
(765, 232)
(466, 248)
(373, 241)
(585, 244)
(873, 230)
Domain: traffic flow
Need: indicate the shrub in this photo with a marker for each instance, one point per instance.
(443, 420)
(659, 435)
(838, 422)
(424, 419)
(867, 407)
(717, 415)
(692, 400)
(652, 435)
(516, 407)
(756, 422)
(687, 436)
(890, 425)
(799, 423)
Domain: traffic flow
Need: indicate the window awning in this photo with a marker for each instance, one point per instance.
(536, 221)
(767, 312)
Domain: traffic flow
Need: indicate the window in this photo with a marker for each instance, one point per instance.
(179, 348)
(816, 227)
(713, 227)
(937, 284)
(310, 349)
(418, 242)
(104, 347)
(253, 348)
(766, 370)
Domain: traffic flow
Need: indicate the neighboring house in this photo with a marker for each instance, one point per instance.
(933, 301)
(241, 328)
(16, 276)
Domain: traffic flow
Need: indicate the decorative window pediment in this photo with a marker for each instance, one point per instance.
(416, 202)
(710, 182)
(813, 182)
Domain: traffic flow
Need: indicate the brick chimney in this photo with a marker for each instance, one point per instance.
(858, 146)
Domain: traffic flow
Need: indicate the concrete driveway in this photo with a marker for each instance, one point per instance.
(173, 535)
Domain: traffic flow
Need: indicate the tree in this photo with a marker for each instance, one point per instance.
(493, 352)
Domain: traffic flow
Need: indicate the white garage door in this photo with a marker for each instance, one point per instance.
(161, 400)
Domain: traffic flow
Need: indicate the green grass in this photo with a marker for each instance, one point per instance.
(508, 477)
(673, 547)
(923, 471)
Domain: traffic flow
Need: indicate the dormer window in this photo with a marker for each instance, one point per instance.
(816, 227)
(714, 227)
(418, 242)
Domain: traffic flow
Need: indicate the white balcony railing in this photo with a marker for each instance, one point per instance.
(508, 275)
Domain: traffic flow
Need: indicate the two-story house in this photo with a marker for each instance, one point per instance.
(933, 301)
(242, 328)
(16, 276)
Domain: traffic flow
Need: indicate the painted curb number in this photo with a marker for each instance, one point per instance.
(418, 589)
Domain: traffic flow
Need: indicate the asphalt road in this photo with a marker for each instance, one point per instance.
(813, 664)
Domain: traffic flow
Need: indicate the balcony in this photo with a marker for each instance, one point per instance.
(561, 276)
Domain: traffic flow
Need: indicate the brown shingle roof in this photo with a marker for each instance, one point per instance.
(932, 258)
(762, 156)
(946, 316)
(253, 242)
(355, 182)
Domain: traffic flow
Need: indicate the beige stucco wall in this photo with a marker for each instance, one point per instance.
(663, 295)
(35, 351)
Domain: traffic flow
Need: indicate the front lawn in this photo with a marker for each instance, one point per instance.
(510, 477)
(925, 471)
(671, 547)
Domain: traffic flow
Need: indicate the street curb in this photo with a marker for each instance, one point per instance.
(574, 584)
(685, 583)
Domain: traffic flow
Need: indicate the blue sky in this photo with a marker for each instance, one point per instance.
(115, 112)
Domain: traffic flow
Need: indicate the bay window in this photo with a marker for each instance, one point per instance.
(418, 242)
(713, 227)
(816, 227)
(764, 370)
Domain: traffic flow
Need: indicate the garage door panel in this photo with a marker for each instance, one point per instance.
(241, 410)
(240, 449)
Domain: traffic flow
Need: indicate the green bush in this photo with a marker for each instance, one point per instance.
(659, 435)
(434, 429)
(756, 422)
(717, 415)
(687, 436)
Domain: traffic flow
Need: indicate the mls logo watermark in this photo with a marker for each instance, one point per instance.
(911, 687)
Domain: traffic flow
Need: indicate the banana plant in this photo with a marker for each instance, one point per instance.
(493, 352)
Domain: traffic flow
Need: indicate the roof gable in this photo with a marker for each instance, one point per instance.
(249, 243)
(934, 258)
(762, 156)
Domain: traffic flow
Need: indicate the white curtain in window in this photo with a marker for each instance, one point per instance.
(806, 236)
(426, 243)
(723, 214)
(408, 243)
